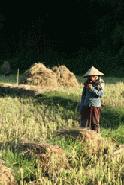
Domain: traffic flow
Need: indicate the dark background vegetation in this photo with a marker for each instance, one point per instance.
(77, 33)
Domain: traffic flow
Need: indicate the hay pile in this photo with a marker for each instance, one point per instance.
(40, 75)
(95, 143)
(6, 177)
(50, 157)
(65, 78)
(84, 134)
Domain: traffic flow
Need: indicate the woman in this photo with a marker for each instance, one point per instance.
(90, 106)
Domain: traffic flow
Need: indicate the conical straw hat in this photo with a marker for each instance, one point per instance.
(93, 71)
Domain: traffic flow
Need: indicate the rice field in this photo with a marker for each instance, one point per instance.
(35, 119)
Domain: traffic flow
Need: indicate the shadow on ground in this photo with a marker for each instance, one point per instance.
(112, 117)
(49, 98)
(16, 92)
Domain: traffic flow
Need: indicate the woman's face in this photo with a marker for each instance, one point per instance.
(93, 78)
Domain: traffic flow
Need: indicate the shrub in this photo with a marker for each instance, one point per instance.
(5, 68)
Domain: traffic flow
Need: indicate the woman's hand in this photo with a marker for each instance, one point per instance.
(90, 87)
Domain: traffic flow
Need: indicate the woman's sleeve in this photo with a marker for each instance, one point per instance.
(82, 99)
(83, 94)
(98, 92)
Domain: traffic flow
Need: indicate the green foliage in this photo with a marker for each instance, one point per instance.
(111, 64)
(20, 164)
(5, 79)
(5, 68)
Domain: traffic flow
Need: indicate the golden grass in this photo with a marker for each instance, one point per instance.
(35, 119)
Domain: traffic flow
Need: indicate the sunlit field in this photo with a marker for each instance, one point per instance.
(35, 119)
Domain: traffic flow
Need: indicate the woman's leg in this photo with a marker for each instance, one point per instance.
(95, 114)
(84, 116)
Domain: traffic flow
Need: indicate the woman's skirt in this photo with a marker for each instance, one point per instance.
(90, 117)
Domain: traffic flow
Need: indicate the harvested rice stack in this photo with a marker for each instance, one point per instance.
(6, 176)
(39, 75)
(42, 76)
(65, 78)
(51, 157)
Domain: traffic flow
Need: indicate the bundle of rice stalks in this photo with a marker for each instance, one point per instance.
(41, 76)
(6, 177)
(50, 157)
(95, 142)
(64, 77)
